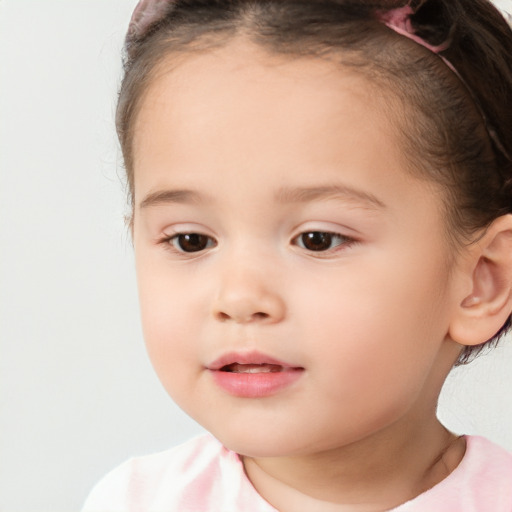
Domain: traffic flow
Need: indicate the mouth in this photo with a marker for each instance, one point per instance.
(253, 375)
(250, 362)
(252, 368)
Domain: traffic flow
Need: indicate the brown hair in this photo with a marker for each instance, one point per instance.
(444, 120)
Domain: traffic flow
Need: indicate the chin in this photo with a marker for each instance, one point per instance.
(258, 444)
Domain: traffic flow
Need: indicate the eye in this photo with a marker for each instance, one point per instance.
(191, 242)
(319, 241)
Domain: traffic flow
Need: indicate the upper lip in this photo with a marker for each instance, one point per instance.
(253, 357)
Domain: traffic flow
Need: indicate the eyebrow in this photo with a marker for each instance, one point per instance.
(334, 191)
(182, 196)
(284, 195)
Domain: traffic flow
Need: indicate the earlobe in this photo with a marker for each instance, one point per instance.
(483, 311)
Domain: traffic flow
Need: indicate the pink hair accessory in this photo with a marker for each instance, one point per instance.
(399, 20)
(146, 14)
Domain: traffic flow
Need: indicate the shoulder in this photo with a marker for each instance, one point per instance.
(487, 460)
(170, 480)
(481, 483)
(484, 476)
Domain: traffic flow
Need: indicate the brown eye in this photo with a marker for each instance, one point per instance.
(191, 242)
(320, 240)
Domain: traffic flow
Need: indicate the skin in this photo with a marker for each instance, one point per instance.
(368, 320)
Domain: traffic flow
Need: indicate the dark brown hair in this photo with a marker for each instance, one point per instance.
(445, 120)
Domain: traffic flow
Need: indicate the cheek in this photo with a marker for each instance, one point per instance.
(375, 330)
(170, 331)
(169, 320)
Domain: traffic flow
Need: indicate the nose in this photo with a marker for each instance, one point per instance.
(247, 295)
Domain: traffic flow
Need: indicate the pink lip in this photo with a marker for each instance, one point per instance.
(253, 385)
(253, 357)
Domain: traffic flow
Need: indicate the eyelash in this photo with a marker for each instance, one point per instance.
(343, 241)
(172, 243)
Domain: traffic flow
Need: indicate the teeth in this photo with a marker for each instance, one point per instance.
(253, 368)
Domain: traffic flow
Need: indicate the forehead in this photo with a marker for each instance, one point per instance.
(193, 95)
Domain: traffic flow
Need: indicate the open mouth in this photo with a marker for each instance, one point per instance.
(253, 374)
(252, 368)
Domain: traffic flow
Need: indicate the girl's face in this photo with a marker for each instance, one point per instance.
(295, 280)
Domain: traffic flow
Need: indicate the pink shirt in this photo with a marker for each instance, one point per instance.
(203, 476)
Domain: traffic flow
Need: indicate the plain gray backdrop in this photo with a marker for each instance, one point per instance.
(78, 395)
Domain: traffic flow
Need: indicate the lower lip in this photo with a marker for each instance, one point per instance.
(256, 385)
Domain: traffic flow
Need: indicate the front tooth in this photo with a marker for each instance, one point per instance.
(263, 369)
(254, 368)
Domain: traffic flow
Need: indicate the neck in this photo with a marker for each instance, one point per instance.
(371, 475)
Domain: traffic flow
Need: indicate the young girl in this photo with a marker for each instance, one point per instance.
(322, 223)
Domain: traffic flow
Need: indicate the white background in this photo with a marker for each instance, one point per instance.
(78, 395)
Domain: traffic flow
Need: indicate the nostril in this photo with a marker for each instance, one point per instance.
(242, 318)
(251, 306)
(223, 316)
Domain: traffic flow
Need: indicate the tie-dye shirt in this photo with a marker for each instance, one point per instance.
(201, 475)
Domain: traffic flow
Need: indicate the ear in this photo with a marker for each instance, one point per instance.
(485, 301)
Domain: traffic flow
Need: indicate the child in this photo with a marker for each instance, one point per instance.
(322, 223)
